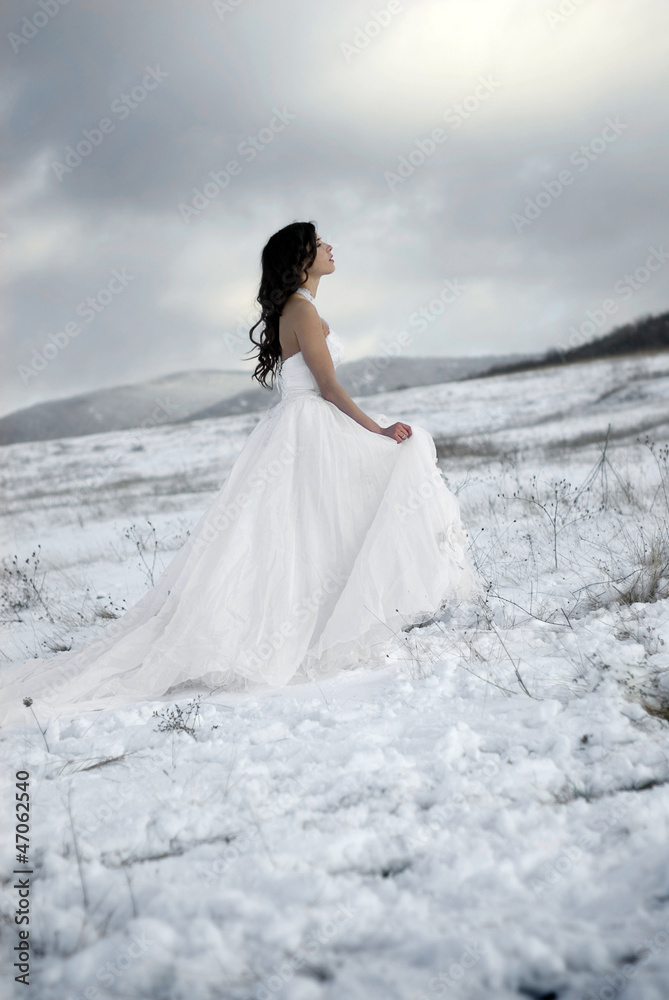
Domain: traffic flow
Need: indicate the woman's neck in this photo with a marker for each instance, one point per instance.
(311, 284)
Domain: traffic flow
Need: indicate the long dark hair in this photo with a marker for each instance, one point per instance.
(285, 259)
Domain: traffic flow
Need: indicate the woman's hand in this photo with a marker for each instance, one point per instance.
(399, 432)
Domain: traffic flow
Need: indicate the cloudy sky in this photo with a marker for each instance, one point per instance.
(516, 149)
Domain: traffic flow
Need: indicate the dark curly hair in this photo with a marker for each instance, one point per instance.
(285, 259)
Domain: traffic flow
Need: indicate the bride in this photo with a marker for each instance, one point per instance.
(331, 534)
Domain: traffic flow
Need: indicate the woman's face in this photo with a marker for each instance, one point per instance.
(324, 262)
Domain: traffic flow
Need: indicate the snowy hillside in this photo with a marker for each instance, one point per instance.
(195, 395)
(143, 404)
(486, 818)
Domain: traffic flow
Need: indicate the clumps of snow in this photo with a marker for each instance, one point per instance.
(483, 817)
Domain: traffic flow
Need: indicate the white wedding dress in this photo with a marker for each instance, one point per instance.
(324, 542)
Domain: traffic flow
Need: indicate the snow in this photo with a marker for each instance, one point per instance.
(485, 817)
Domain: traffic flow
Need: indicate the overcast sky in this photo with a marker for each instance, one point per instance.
(115, 114)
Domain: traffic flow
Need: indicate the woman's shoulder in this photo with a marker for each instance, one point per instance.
(297, 301)
(297, 308)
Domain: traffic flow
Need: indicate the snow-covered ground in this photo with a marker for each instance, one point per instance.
(486, 817)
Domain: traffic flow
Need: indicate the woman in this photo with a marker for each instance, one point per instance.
(331, 534)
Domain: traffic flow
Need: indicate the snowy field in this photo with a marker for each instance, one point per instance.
(485, 818)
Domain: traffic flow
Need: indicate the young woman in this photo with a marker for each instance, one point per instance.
(332, 533)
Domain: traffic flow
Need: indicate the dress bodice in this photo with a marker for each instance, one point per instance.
(294, 377)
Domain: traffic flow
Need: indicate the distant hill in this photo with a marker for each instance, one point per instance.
(145, 404)
(650, 333)
(197, 395)
(370, 376)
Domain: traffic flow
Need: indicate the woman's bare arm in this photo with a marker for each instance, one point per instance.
(309, 332)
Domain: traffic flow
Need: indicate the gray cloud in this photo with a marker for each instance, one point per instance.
(362, 100)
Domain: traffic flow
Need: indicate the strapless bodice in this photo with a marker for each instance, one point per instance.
(295, 378)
